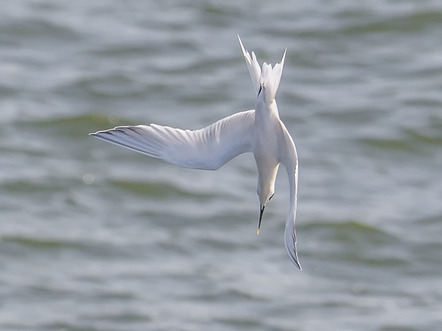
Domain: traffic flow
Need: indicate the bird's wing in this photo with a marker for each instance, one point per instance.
(289, 159)
(208, 148)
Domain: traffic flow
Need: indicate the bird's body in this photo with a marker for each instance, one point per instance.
(258, 131)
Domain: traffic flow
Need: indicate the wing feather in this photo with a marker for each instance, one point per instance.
(289, 159)
(208, 148)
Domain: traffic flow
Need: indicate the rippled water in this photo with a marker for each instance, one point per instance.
(94, 237)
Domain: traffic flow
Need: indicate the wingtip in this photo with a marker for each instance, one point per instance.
(295, 261)
(291, 245)
(97, 133)
(294, 258)
(297, 264)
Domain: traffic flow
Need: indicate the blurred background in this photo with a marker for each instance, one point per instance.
(96, 237)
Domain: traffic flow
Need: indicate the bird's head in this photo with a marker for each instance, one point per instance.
(263, 200)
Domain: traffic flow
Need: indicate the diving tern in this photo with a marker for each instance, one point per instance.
(259, 131)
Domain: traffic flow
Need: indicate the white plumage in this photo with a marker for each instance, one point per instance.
(258, 131)
(207, 148)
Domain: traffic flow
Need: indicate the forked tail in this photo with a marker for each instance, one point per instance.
(266, 76)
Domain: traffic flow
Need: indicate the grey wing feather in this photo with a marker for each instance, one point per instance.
(289, 159)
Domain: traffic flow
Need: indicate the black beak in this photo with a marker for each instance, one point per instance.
(260, 218)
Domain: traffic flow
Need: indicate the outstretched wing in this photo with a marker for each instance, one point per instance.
(208, 148)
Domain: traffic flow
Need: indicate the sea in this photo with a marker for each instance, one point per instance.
(97, 237)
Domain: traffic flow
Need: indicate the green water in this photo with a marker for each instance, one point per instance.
(94, 237)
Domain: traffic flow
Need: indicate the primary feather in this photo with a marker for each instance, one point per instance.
(208, 148)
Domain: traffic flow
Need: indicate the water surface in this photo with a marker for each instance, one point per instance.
(94, 237)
